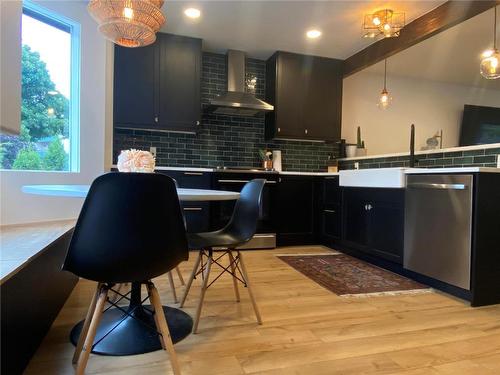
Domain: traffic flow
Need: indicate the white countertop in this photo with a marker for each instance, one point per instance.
(194, 169)
(452, 170)
(435, 151)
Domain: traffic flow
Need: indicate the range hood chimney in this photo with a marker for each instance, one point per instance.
(236, 101)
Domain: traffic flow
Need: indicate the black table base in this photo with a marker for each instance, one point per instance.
(119, 334)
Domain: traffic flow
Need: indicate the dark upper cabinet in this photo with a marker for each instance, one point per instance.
(135, 90)
(373, 221)
(306, 92)
(180, 72)
(158, 87)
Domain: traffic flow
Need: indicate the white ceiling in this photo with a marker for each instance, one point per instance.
(262, 27)
(452, 56)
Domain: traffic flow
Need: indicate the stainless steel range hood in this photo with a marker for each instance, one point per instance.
(236, 101)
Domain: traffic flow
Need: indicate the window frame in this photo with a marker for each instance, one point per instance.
(66, 24)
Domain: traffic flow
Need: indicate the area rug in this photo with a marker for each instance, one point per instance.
(350, 277)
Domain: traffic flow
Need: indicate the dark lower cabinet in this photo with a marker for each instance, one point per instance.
(196, 214)
(373, 222)
(293, 210)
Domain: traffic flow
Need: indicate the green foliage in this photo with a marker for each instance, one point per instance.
(56, 158)
(27, 159)
(36, 118)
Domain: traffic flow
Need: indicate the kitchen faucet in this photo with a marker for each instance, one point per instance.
(412, 147)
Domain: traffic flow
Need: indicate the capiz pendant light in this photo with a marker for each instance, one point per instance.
(490, 59)
(128, 23)
(384, 100)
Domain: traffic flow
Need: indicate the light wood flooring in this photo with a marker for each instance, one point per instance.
(306, 330)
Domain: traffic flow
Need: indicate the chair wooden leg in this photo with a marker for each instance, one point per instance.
(190, 280)
(163, 327)
(86, 324)
(233, 270)
(172, 286)
(204, 286)
(94, 323)
(179, 274)
(250, 292)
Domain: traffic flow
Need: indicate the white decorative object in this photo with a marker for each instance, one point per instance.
(136, 161)
(277, 160)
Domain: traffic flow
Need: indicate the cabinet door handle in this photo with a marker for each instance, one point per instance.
(330, 211)
(193, 173)
(193, 208)
(197, 123)
(305, 131)
(156, 118)
(368, 207)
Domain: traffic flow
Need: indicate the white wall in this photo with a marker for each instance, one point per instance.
(431, 106)
(17, 207)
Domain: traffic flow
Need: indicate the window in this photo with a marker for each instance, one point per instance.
(49, 138)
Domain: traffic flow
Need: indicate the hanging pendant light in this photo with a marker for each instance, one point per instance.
(128, 23)
(490, 59)
(385, 99)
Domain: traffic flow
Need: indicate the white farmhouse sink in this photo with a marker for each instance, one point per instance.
(375, 178)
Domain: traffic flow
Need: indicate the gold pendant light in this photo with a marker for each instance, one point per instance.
(490, 59)
(128, 23)
(385, 99)
(385, 23)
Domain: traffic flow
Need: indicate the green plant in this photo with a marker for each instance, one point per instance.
(360, 143)
(56, 159)
(27, 159)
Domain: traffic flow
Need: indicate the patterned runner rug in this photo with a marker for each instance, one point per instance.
(350, 277)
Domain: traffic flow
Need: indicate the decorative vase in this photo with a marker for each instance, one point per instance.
(350, 151)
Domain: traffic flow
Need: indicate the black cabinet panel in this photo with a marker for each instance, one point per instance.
(373, 221)
(180, 72)
(158, 87)
(306, 92)
(293, 210)
(332, 193)
(332, 222)
(135, 86)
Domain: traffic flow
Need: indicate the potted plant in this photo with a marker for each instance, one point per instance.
(360, 145)
(266, 157)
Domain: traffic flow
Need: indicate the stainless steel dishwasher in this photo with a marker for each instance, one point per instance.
(438, 226)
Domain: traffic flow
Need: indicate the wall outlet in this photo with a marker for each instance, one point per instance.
(153, 151)
(356, 165)
(498, 161)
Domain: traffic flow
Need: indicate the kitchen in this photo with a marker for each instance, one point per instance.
(345, 176)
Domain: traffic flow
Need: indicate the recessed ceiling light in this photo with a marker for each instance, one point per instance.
(192, 13)
(313, 34)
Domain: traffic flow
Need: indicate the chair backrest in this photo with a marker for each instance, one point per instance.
(243, 223)
(130, 229)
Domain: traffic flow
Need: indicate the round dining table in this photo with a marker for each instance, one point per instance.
(130, 329)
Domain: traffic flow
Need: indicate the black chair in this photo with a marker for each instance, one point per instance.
(237, 232)
(130, 229)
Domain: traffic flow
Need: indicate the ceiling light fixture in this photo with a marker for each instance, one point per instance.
(192, 13)
(384, 23)
(385, 99)
(128, 23)
(313, 34)
(490, 59)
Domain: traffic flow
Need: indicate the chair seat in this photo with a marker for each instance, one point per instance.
(219, 238)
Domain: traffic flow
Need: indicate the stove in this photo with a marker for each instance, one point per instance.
(244, 170)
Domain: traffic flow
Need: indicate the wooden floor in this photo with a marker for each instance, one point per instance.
(306, 330)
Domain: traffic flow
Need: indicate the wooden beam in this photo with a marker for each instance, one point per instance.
(439, 19)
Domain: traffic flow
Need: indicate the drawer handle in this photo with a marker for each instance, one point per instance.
(422, 185)
(193, 209)
(242, 181)
(193, 173)
(330, 211)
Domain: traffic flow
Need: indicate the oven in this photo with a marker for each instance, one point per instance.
(221, 211)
